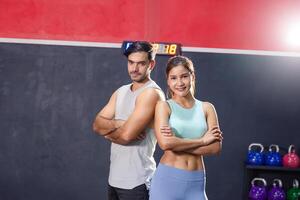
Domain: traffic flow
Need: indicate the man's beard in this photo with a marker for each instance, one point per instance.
(139, 78)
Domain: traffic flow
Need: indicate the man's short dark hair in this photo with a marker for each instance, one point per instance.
(140, 46)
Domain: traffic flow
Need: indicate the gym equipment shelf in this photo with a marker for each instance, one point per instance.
(255, 167)
(268, 173)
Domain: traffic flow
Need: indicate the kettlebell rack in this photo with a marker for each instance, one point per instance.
(268, 173)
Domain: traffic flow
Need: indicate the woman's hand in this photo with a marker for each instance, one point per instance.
(212, 135)
(166, 131)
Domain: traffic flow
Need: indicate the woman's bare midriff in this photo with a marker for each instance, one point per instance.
(182, 161)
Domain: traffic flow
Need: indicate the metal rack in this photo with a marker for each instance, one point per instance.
(269, 173)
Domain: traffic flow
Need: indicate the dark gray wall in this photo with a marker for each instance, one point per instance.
(49, 96)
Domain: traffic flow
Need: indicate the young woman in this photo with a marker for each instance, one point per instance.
(186, 129)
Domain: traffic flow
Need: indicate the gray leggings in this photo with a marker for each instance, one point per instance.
(170, 183)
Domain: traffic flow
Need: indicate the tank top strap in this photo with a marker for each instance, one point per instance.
(172, 105)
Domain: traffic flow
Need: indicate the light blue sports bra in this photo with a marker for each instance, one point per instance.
(187, 122)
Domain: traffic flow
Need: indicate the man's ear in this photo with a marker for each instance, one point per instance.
(152, 64)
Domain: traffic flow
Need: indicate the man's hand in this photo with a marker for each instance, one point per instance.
(119, 123)
(142, 135)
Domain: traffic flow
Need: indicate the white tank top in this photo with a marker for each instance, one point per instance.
(131, 165)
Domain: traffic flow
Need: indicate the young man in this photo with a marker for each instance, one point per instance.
(127, 121)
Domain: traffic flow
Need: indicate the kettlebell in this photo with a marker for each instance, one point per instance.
(291, 159)
(276, 192)
(294, 192)
(258, 192)
(255, 156)
(273, 157)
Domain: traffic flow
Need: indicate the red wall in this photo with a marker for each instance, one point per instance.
(253, 25)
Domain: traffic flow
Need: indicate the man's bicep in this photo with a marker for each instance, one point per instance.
(108, 111)
(143, 113)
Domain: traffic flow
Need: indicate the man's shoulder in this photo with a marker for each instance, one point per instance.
(123, 88)
(153, 84)
(152, 93)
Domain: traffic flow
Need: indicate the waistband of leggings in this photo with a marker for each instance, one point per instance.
(169, 171)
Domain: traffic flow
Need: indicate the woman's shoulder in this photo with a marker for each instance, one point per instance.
(206, 105)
